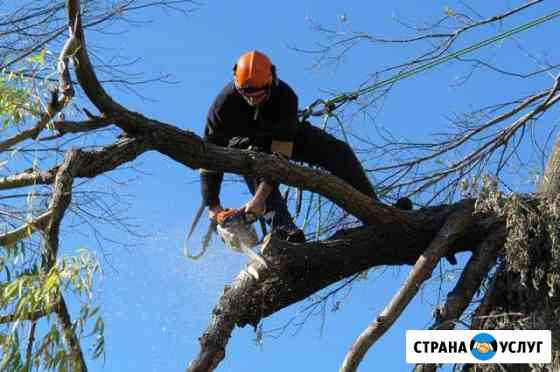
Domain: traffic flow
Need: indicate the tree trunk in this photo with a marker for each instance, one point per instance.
(529, 306)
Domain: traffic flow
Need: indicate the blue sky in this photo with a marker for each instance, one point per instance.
(155, 302)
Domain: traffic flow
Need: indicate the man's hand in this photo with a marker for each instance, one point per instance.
(214, 210)
(255, 206)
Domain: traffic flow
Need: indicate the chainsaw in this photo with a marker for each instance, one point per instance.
(236, 230)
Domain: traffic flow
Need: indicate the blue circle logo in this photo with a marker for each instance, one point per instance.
(483, 346)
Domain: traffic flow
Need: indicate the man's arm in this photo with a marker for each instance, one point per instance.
(210, 185)
(211, 181)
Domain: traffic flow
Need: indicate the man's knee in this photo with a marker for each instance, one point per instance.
(340, 154)
(344, 148)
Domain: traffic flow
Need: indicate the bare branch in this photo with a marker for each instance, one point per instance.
(187, 148)
(65, 127)
(54, 107)
(30, 316)
(12, 237)
(339, 43)
(84, 69)
(30, 133)
(471, 278)
(478, 158)
(98, 162)
(422, 270)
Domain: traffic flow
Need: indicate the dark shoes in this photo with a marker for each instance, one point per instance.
(292, 235)
(403, 203)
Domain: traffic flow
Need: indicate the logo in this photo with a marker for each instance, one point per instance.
(478, 346)
(483, 346)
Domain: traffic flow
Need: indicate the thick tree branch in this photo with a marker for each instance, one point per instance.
(66, 126)
(94, 163)
(84, 69)
(28, 178)
(62, 196)
(188, 149)
(298, 271)
(422, 270)
(477, 268)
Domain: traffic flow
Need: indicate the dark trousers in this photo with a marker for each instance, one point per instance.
(315, 147)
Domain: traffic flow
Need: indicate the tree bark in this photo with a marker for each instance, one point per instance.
(550, 184)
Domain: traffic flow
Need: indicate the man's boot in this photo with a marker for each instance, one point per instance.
(290, 234)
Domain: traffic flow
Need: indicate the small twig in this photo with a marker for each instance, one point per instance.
(29, 351)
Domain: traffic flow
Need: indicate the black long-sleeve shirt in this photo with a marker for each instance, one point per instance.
(270, 127)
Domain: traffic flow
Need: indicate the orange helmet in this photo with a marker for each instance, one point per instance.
(253, 70)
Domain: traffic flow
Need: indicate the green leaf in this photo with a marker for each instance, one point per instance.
(449, 12)
(52, 281)
(39, 57)
(99, 326)
(10, 290)
(99, 348)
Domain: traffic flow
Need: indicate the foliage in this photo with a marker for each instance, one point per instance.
(14, 101)
(532, 247)
(526, 283)
(37, 291)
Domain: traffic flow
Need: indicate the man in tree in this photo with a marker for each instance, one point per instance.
(258, 111)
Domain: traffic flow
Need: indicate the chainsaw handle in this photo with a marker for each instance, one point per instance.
(228, 216)
(225, 215)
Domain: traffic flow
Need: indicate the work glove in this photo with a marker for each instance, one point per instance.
(221, 216)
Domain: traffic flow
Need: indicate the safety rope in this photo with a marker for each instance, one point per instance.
(332, 104)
